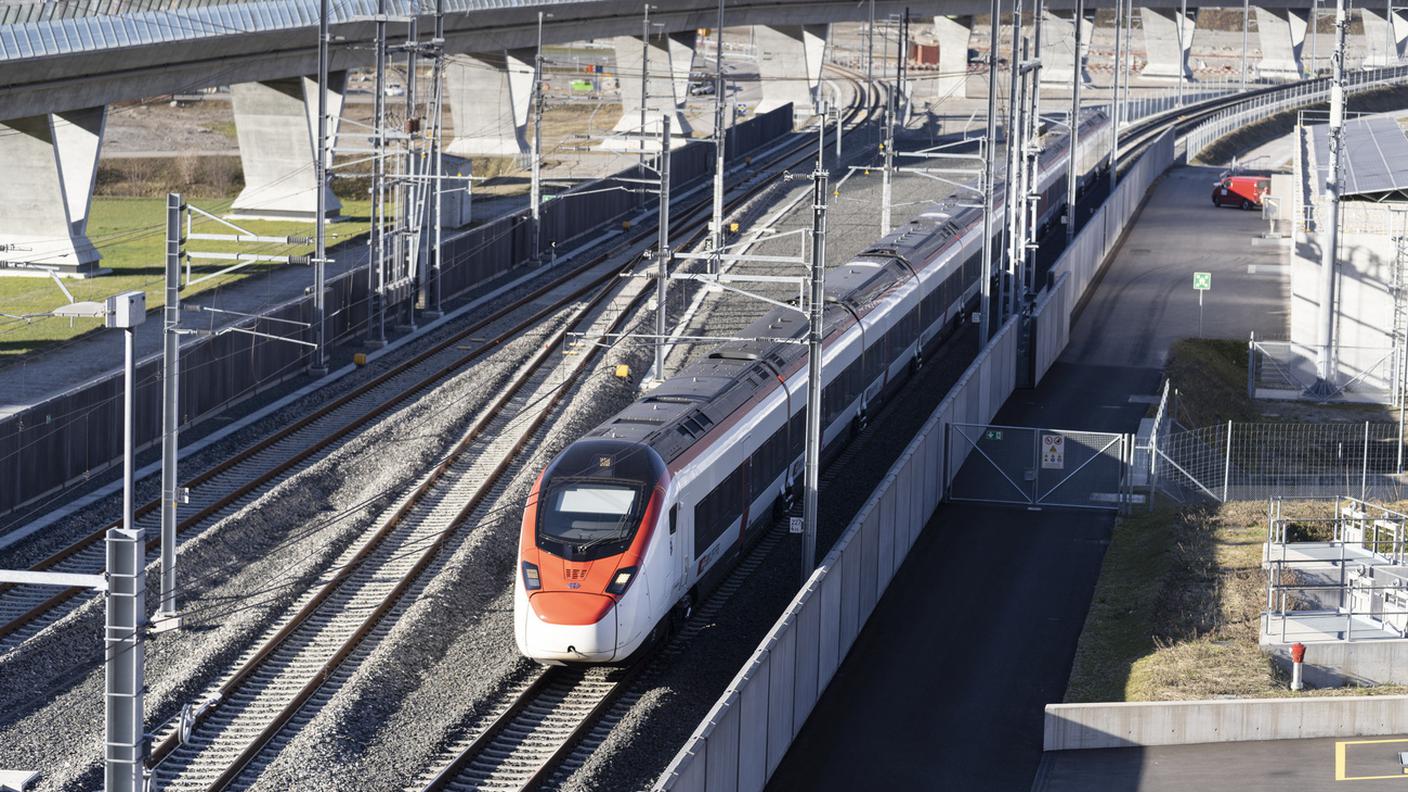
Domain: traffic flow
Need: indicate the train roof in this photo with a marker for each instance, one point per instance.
(683, 408)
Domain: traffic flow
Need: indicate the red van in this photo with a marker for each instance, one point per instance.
(1242, 191)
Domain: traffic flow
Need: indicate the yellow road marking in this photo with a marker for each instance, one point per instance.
(1340, 747)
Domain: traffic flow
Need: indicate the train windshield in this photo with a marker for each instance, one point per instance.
(594, 497)
(580, 512)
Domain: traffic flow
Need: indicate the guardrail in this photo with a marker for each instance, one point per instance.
(1201, 137)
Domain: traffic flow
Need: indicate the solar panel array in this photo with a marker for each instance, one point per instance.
(1375, 155)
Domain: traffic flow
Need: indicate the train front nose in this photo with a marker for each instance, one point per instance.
(569, 626)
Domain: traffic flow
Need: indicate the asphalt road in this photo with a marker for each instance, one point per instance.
(1146, 299)
(945, 686)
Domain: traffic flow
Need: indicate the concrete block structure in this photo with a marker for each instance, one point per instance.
(1282, 35)
(789, 64)
(51, 165)
(277, 125)
(490, 96)
(1058, 38)
(668, 60)
(953, 34)
(1167, 59)
(1384, 36)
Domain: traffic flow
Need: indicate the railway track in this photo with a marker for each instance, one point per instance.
(236, 482)
(224, 740)
(551, 724)
(292, 664)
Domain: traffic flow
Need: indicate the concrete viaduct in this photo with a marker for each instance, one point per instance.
(57, 77)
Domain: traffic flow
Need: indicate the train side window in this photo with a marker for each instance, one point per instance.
(674, 517)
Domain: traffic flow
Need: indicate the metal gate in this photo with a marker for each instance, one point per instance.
(1033, 466)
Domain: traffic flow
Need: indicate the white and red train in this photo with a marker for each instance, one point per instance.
(628, 524)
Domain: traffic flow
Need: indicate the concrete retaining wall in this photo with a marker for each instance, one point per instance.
(1336, 664)
(1123, 724)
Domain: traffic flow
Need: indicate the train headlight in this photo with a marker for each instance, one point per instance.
(621, 581)
(531, 581)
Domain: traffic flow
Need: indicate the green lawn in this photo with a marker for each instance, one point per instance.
(130, 234)
(1176, 612)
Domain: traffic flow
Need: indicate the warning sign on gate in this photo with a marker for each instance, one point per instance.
(1053, 451)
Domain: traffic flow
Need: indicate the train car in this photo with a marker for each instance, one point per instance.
(627, 526)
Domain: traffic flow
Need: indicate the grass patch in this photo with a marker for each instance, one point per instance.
(1176, 612)
(214, 177)
(130, 233)
(1217, 373)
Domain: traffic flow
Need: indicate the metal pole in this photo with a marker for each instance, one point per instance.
(1364, 472)
(319, 364)
(869, 50)
(662, 253)
(1314, 23)
(124, 650)
(167, 616)
(644, 76)
(1329, 230)
(1126, 86)
(536, 186)
(716, 264)
(1227, 463)
(815, 336)
(1182, 20)
(1012, 194)
(376, 267)
(1115, 98)
(1071, 167)
(1033, 153)
(408, 209)
(432, 302)
(989, 181)
(887, 177)
(1246, 17)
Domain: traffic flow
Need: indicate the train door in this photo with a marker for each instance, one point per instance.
(680, 531)
(745, 484)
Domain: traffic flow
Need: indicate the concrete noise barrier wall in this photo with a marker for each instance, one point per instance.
(74, 435)
(742, 740)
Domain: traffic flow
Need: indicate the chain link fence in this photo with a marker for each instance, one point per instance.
(1252, 461)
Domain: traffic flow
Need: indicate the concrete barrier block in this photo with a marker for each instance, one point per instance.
(753, 699)
(804, 687)
(780, 689)
(1123, 724)
(721, 769)
(829, 628)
